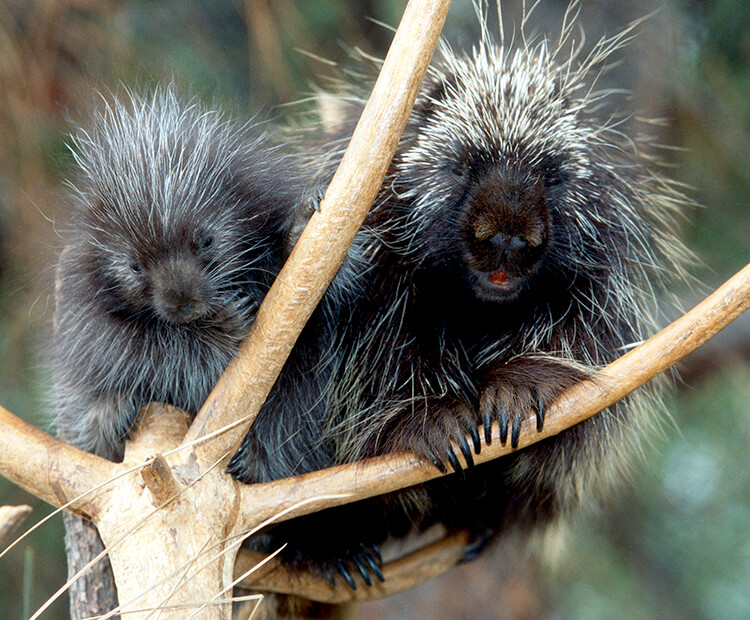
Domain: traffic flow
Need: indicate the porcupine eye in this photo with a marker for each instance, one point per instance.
(458, 170)
(135, 267)
(206, 243)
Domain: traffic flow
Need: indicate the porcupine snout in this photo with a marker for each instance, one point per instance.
(181, 292)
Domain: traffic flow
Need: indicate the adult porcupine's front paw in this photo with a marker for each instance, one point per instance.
(434, 429)
(522, 390)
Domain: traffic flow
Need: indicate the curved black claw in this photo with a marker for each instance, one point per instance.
(247, 307)
(346, 575)
(315, 200)
(438, 463)
(328, 574)
(503, 419)
(466, 451)
(487, 430)
(540, 413)
(362, 570)
(515, 432)
(453, 460)
(474, 432)
(373, 564)
(376, 549)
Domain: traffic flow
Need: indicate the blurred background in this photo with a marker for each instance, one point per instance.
(675, 542)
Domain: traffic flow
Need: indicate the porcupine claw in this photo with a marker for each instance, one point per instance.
(437, 462)
(373, 564)
(376, 549)
(515, 432)
(315, 200)
(503, 418)
(487, 429)
(540, 413)
(453, 460)
(365, 563)
(466, 451)
(475, 439)
(328, 574)
(362, 570)
(346, 575)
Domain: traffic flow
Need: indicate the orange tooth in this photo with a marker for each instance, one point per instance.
(500, 278)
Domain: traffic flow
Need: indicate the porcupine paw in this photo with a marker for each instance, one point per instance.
(313, 202)
(243, 306)
(336, 562)
(522, 390)
(364, 560)
(445, 427)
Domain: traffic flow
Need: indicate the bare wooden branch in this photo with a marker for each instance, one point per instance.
(10, 518)
(326, 239)
(48, 468)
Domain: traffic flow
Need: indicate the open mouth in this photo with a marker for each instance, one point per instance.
(497, 286)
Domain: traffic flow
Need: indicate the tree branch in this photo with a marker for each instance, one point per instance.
(402, 574)
(48, 468)
(237, 398)
(10, 518)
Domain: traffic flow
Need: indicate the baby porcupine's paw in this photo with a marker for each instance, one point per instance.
(433, 430)
(521, 389)
(302, 215)
(243, 306)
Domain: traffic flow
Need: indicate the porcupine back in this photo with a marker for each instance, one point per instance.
(518, 243)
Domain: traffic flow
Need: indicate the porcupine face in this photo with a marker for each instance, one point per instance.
(167, 220)
(177, 276)
(491, 164)
(504, 226)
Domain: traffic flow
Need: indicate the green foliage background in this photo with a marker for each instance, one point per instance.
(676, 540)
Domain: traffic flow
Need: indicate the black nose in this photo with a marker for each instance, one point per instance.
(504, 242)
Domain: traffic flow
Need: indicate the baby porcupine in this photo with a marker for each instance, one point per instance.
(175, 236)
(517, 245)
(179, 227)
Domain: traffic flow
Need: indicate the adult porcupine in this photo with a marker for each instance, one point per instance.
(178, 229)
(517, 245)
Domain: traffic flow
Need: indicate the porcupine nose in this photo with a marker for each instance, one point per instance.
(506, 243)
(179, 295)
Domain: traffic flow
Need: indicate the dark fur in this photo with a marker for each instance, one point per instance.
(508, 262)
